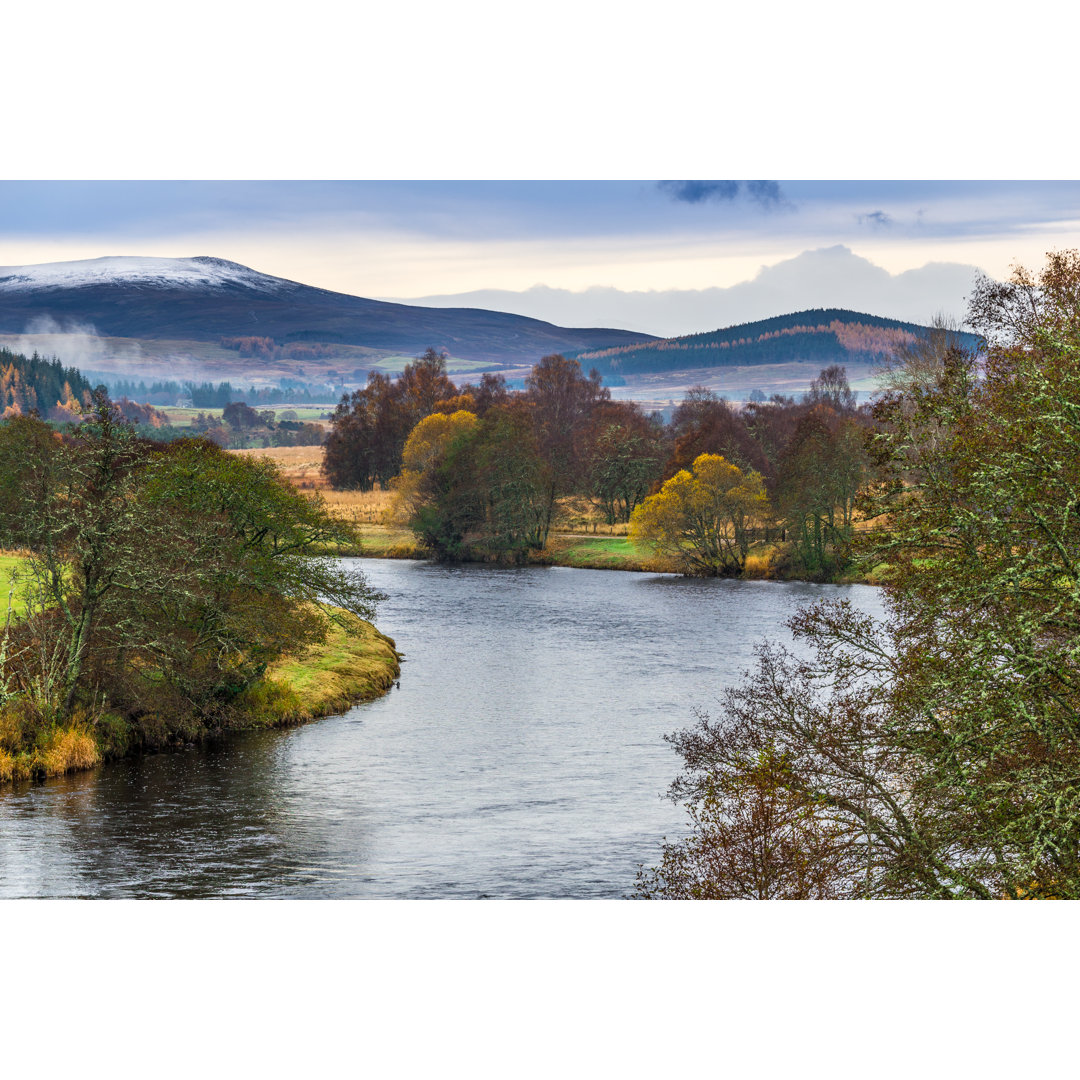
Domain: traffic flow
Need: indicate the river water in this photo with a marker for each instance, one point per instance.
(521, 757)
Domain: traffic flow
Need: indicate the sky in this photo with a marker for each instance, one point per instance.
(664, 257)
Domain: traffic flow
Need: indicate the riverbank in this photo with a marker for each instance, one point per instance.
(356, 663)
(594, 551)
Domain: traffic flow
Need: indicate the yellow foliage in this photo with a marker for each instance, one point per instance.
(703, 519)
(430, 438)
(427, 442)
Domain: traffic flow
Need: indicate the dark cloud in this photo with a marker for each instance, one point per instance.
(877, 219)
(695, 191)
(765, 193)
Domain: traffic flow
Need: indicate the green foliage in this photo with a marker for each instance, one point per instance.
(487, 495)
(163, 578)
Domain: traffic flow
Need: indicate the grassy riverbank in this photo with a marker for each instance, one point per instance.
(595, 551)
(356, 663)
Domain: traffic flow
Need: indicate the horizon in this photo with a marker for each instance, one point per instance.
(659, 257)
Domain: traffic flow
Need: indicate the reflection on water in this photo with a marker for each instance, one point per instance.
(522, 755)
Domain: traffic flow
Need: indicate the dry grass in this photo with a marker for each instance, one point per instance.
(70, 750)
(301, 466)
(360, 507)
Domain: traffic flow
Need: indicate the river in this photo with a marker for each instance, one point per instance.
(521, 756)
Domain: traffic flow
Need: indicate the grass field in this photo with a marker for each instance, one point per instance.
(182, 416)
(8, 563)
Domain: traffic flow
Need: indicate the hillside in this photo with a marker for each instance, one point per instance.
(822, 336)
(205, 299)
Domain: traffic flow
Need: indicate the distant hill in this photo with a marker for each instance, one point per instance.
(822, 336)
(204, 299)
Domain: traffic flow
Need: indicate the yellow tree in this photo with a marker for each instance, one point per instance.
(702, 519)
(425, 445)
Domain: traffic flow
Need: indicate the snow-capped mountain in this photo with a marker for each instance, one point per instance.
(204, 299)
(201, 272)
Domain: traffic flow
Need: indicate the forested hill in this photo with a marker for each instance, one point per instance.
(37, 383)
(822, 336)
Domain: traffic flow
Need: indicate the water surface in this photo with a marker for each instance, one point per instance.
(522, 755)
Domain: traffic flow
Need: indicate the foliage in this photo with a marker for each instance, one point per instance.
(702, 519)
(939, 750)
(488, 494)
(822, 336)
(426, 445)
(162, 577)
(371, 425)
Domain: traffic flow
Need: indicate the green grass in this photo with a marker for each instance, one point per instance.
(356, 663)
(390, 542)
(602, 553)
(8, 563)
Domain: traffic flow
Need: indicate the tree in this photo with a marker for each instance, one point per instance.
(623, 450)
(706, 424)
(561, 399)
(370, 426)
(424, 449)
(164, 569)
(943, 745)
(487, 494)
(819, 476)
(702, 519)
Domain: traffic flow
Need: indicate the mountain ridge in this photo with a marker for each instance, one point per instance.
(206, 298)
(819, 335)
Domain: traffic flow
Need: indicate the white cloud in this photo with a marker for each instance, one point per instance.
(825, 277)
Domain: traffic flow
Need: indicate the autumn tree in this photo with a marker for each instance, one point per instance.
(487, 493)
(163, 569)
(942, 744)
(369, 427)
(702, 519)
(425, 447)
(706, 424)
(561, 400)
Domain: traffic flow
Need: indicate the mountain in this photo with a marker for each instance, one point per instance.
(821, 336)
(204, 299)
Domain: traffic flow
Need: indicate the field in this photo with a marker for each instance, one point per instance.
(8, 562)
(182, 417)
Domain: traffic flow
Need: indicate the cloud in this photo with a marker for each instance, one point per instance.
(696, 191)
(76, 344)
(876, 219)
(825, 277)
(766, 192)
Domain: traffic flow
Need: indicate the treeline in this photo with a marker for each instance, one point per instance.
(240, 427)
(480, 469)
(823, 337)
(207, 395)
(266, 348)
(159, 581)
(29, 384)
